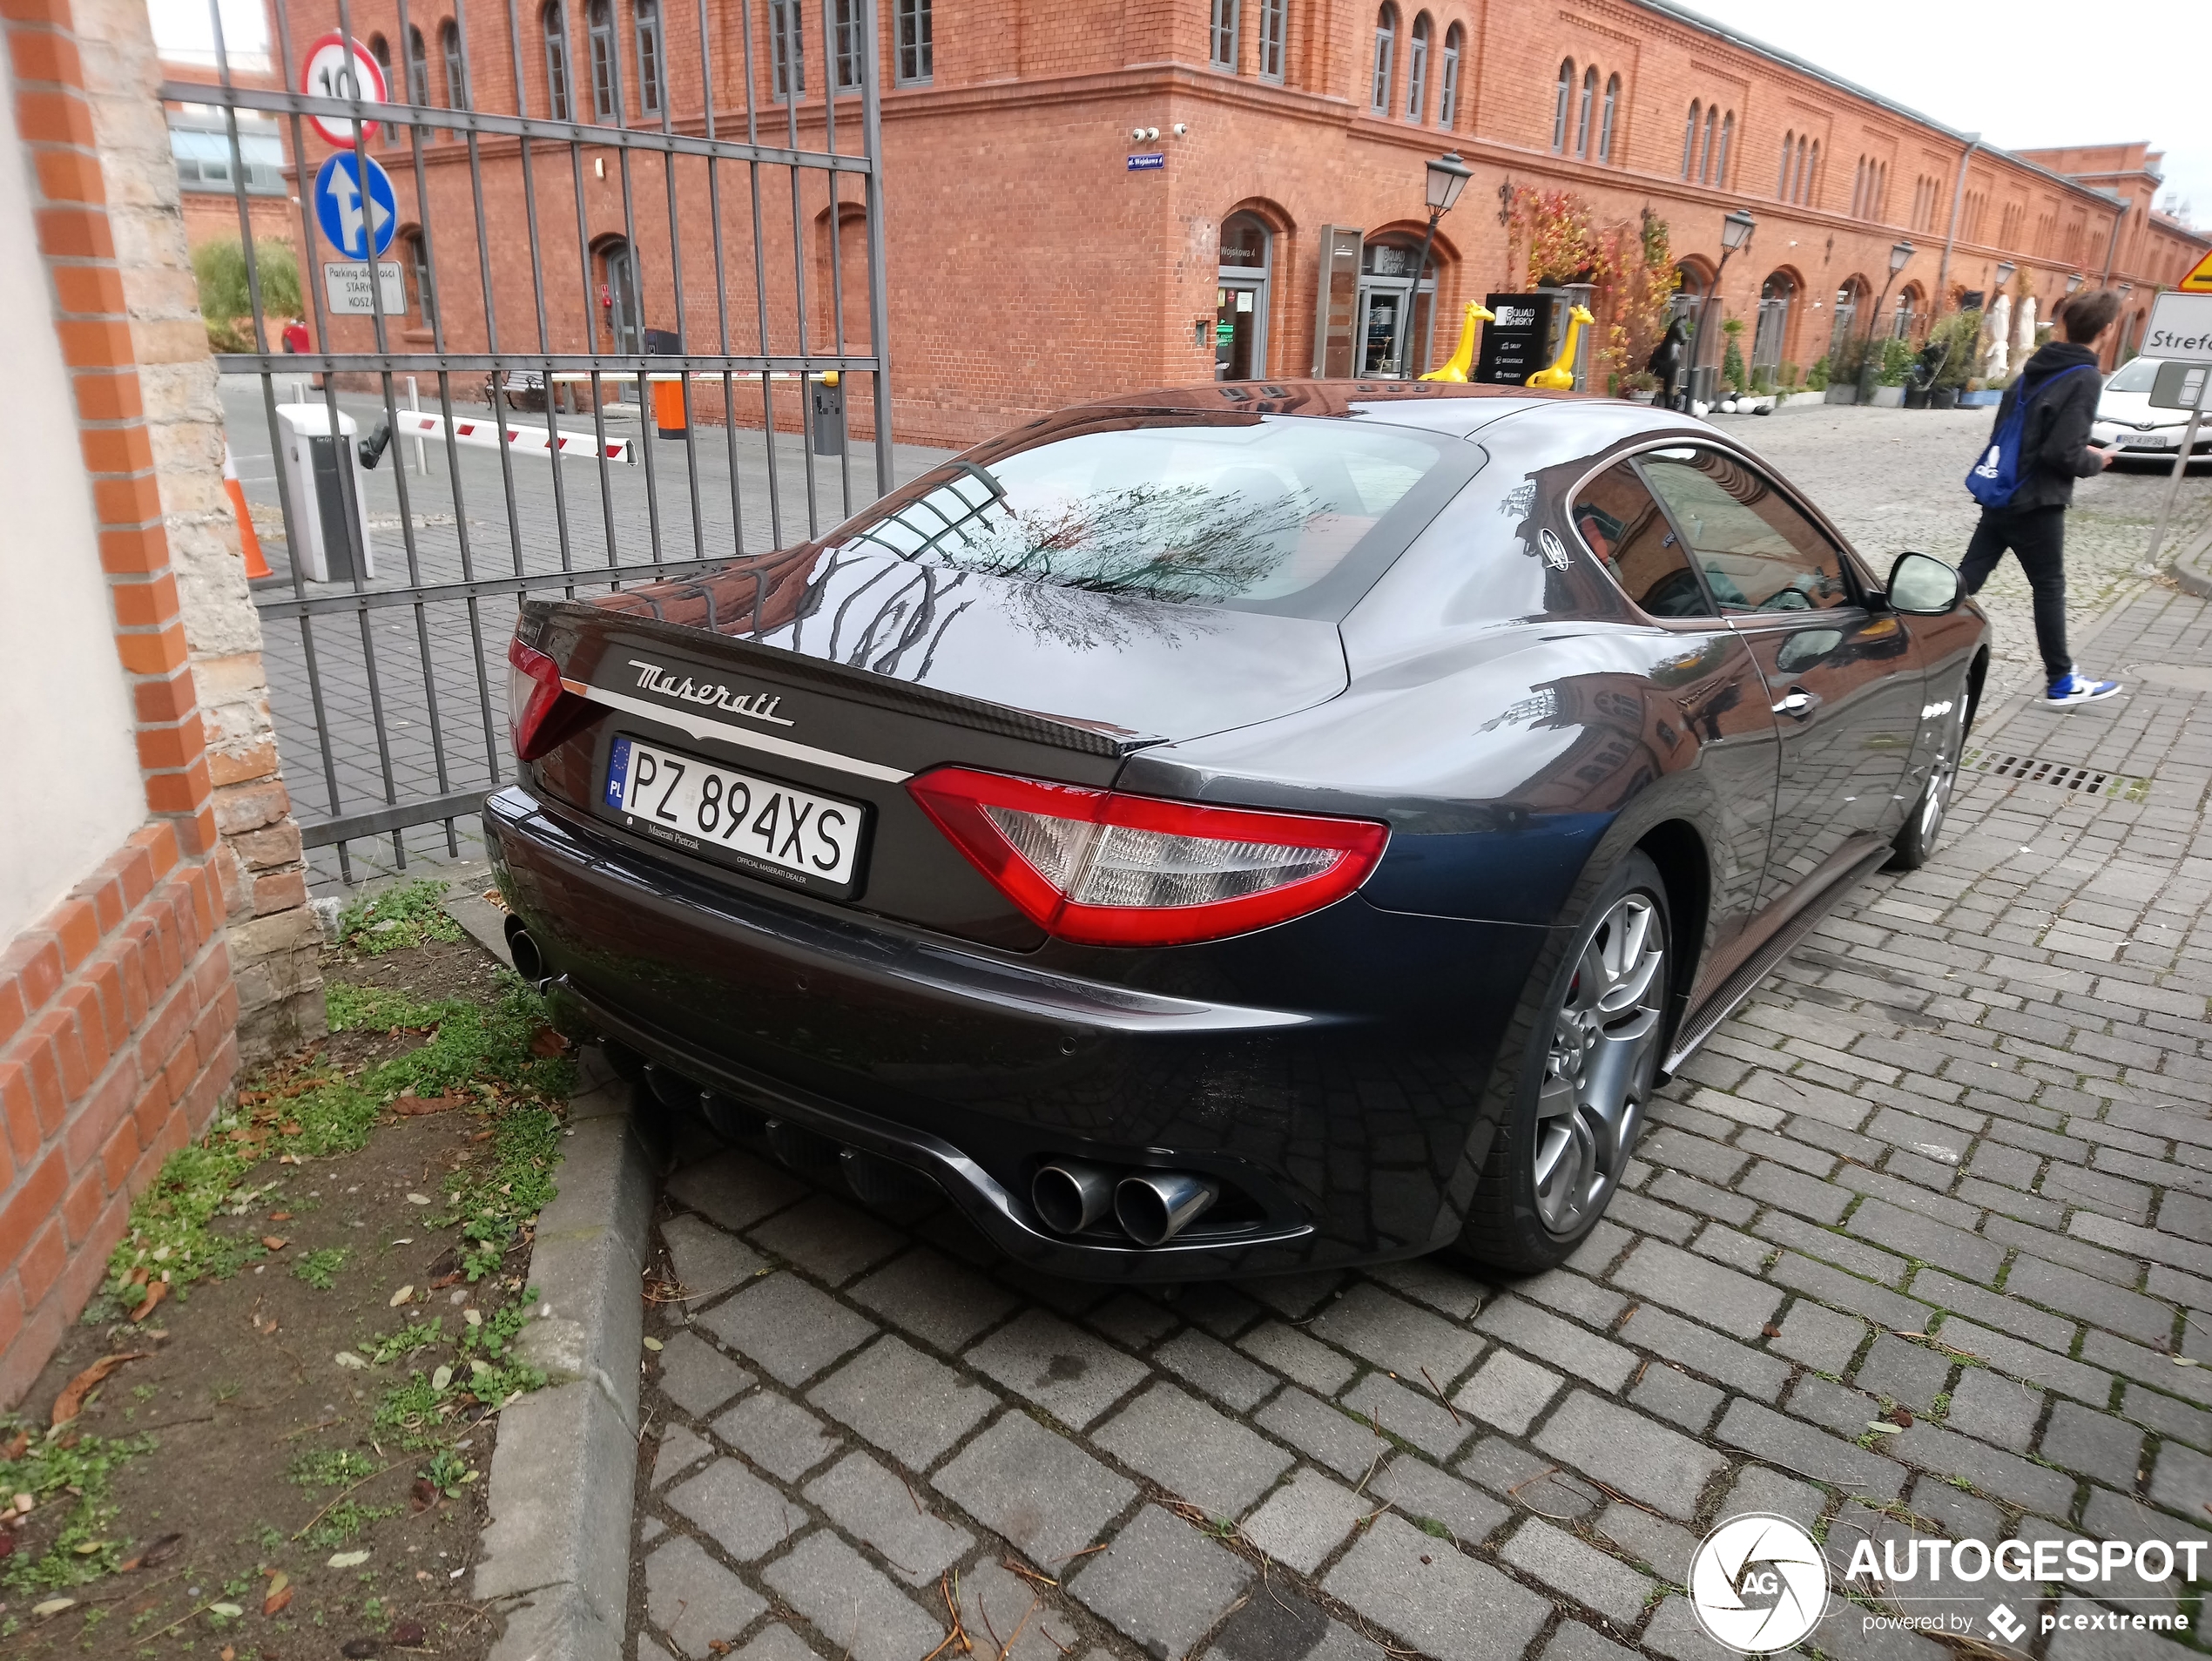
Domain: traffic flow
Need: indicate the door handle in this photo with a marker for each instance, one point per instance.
(1797, 702)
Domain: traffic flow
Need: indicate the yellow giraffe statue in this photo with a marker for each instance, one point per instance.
(1462, 358)
(1561, 375)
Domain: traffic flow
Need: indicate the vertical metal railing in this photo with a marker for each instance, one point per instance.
(371, 666)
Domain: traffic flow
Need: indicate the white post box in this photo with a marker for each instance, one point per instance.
(318, 470)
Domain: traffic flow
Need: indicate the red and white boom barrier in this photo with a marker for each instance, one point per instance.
(521, 437)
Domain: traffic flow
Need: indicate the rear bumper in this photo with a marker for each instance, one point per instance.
(1333, 1074)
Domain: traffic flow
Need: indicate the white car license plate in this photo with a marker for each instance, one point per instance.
(2149, 440)
(705, 807)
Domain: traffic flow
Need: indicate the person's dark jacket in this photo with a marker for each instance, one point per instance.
(2054, 443)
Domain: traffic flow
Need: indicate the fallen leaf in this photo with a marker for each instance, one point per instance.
(423, 1495)
(482, 1136)
(280, 1594)
(400, 1296)
(1886, 1426)
(440, 1379)
(358, 1649)
(346, 1357)
(1770, 1330)
(418, 1200)
(226, 1653)
(86, 1547)
(409, 1635)
(275, 1242)
(545, 1042)
(413, 1106)
(52, 1606)
(1901, 1417)
(347, 1559)
(156, 1291)
(228, 1611)
(653, 1343)
(2184, 1361)
(16, 1446)
(445, 1281)
(290, 1127)
(138, 1275)
(7, 1544)
(71, 1401)
(280, 1216)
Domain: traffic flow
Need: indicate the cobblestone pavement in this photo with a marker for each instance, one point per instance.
(1950, 1169)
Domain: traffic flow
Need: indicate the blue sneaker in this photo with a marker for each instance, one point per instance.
(2071, 689)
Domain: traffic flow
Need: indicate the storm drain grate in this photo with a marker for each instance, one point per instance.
(2083, 777)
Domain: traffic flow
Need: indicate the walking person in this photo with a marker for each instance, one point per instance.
(2025, 482)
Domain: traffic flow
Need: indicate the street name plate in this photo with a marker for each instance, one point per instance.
(345, 286)
(2180, 386)
(2181, 327)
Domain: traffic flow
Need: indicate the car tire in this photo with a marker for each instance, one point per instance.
(1586, 1076)
(1915, 839)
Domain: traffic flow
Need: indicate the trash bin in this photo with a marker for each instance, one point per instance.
(825, 414)
(669, 420)
(319, 472)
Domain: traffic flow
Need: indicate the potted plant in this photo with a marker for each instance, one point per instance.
(1639, 388)
(1732, 356)
(1890, 369)
(1842, 371)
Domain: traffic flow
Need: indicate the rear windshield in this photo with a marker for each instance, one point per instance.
(1275, 513)
(2134, 376)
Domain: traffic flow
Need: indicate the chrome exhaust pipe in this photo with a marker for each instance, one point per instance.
(529, 963)
(1154, 1206)
(1070, 1195)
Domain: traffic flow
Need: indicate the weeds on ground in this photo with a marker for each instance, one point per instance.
(329, 1468)
(303, 1110)
(78, 1469)
(407, 916)
(319, 1268)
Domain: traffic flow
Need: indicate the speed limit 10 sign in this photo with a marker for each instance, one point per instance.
(337, 67)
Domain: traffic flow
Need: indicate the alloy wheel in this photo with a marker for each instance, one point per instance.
(1599, 1068)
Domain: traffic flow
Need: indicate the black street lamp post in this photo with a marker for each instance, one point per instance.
(1735, 232)
(1900, 256)
(1447, 177)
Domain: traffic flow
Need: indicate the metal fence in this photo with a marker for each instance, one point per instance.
(389, 685)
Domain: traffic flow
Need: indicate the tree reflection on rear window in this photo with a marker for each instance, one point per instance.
(1218, 510)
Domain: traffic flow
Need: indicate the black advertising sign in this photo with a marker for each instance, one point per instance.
(1516, 340)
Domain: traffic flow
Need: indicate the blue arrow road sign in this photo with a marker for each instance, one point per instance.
(339, 210)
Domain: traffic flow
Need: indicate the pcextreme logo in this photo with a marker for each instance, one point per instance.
(1759, 1583)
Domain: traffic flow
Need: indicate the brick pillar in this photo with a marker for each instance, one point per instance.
(274, 938)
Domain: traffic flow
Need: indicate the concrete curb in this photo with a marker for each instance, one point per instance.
(556, 1552)
(2192, 567)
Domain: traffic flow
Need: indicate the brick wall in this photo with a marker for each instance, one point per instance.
(119, 1008)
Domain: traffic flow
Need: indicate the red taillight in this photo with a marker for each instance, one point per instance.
(541, 713)
(1106, 869)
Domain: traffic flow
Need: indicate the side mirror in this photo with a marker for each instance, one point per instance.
(1921, 585)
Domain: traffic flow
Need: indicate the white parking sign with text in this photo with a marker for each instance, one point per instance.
(345, 287)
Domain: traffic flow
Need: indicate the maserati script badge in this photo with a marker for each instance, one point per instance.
(760, 707)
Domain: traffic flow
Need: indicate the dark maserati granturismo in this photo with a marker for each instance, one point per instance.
(1224, 831)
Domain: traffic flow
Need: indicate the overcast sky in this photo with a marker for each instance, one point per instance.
(2023, 73)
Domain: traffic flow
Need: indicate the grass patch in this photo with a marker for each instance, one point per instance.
(305, 1110)
(320, 1269)
(392, 1345)
(329, 1468)
(81, 1474)
(343, 1521)
(407, 916)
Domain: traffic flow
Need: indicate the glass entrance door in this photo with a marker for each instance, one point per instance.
(1383, 313)
(1240, 321)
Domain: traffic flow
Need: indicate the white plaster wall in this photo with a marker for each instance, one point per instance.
(69, 789)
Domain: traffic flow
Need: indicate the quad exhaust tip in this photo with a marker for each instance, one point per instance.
(1154, 1206)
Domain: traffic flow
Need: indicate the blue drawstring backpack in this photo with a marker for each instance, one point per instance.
(1993, 480)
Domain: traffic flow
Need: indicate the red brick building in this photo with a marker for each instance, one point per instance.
(1032, 261)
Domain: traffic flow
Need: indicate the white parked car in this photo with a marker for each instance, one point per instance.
(2125, 416)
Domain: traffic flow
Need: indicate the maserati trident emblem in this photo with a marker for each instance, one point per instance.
(759, 706)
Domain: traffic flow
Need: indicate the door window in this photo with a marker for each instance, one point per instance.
(1758, 552)
(1624, 528)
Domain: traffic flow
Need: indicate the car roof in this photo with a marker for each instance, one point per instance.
(1438, 406)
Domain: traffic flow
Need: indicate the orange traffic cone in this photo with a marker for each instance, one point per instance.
(255, 565)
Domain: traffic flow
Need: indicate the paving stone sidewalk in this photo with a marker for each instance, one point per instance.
(1954, 1159)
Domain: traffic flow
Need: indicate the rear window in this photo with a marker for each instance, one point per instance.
(1274, 513)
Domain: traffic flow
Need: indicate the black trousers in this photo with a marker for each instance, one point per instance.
(2037, 537)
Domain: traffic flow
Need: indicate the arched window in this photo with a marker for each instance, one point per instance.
(1719, 161)
(1811, 191)
(1689, 136)
(556, 60)
(1859, 187)
(652, 86)
(1584, 108)
(1385, 50)
(1222, 35)
(418, 69)
(415, 262)
(1605, 122)
(1797, 185)
(606, 67)
(1447, 91)
(1273, 19)
(1559, 104)
(1705, 150)
(381, 49)
(1417, 70)
(1782, 178)
(786, 50)
(1241, 300)
(456, 69)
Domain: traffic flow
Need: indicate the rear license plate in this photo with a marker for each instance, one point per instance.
(757, 823)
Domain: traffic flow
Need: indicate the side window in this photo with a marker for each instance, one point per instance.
(1759, 552)
(1624, 528)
